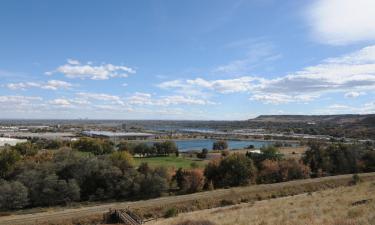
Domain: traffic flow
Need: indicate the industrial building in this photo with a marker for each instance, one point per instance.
(119, 135)
(10, 141)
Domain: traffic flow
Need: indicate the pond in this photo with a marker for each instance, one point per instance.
(199, 144)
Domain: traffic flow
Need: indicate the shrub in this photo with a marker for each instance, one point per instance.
(171, 212)
(220, 145)
(270, 153)
(194, 165)
(368, 160)
(355, 179)
(122, 160)
(203, 153)
(225, 153)
(26, 148)
(95, 146)
(234, 170)
(13, 195)
(189, 181)
(284, 170)
(8, 159)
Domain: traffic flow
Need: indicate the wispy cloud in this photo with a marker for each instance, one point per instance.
(348, 73)
(75, 69)
(49, 85)
(148, 99)
(258, 52)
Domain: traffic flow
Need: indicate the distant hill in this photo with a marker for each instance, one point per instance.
(338, 119)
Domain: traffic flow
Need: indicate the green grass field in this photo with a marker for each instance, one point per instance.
(170, 161)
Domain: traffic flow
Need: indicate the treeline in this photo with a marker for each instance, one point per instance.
(64, 176)
(339, 158)
(98, 146)
(68, 175)
(104, 146)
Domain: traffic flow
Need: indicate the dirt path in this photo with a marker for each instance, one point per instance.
(69, 213)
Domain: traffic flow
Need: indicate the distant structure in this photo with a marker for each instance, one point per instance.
(10, 141)
(119, 135)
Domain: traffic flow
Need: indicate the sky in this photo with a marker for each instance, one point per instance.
(189, 60)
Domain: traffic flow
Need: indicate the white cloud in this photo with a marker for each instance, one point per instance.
(61, 102)
(100, 97)
(366, 108)
(275, 98)
(49, 85)
(147, 99)
(241, 84)
(353, 94)
(73, 62)
(340, 22)
(353, 72)
(74, 69)
(18, 99)
(14, 104)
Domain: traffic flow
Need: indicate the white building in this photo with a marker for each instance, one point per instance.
(10, 141)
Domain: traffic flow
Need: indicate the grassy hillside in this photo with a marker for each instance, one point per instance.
(156, 208)
(339, 206)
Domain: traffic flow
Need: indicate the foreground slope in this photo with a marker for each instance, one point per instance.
(339, 206)
(157, 207)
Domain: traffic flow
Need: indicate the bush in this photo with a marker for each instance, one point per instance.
(355, 179)
(220, 145)
(171, 212)
(203, 153)
(122, 160)
(189, 181)
(272, 171)
(334, 159)
(8, 159)
(26, 148)
(368, 160)
(13, 195)
(95, 146)
(234, 170)
(270, 153)
(225, 153)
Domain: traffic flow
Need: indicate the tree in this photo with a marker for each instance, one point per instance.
(189, 181)
(153, 186)
(8, 159)
(13, 195)
(291, 169)
(336, 158)
(26, 148)
(126, 146)
(142, 149)
(234, 170)
(95, 146)
(368, 160)
(165, 148)
(269, 172)
(220, 145)
(272, 171)
(122, 160)
(203, 153)
(270, 153)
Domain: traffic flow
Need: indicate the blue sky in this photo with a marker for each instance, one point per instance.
(222, 60)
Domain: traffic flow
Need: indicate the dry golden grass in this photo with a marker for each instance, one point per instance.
(338, 206)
